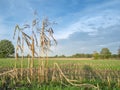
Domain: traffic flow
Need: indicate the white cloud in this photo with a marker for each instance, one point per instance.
(91, 24)
(90, 19)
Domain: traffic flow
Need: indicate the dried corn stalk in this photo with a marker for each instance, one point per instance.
(30, 41)
(46, 37)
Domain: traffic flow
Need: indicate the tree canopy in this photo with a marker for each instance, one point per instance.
(105, 53)
(95, 55)
(6, 48)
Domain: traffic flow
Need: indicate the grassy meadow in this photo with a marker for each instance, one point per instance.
(95, 64)
(104, 74)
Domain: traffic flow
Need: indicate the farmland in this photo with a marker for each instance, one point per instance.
(95, 64)
(104, 74)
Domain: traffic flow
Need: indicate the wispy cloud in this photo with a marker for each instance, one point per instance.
(92, 23)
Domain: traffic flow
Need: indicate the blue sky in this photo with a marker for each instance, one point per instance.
(83, 26)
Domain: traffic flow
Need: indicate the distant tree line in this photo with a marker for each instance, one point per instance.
(81, 55)
(103, 54)
(78, 55)
(106, 54)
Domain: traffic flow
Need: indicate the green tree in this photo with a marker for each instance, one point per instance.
(62, 56)
(88, 56)
(6, 48)
(95, 55)
(114, 56)
(105, 53)
(77, 55)
(56, 56)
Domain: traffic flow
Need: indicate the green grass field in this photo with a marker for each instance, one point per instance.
(98, 64)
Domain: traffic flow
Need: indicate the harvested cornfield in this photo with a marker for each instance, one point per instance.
(79, 73)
